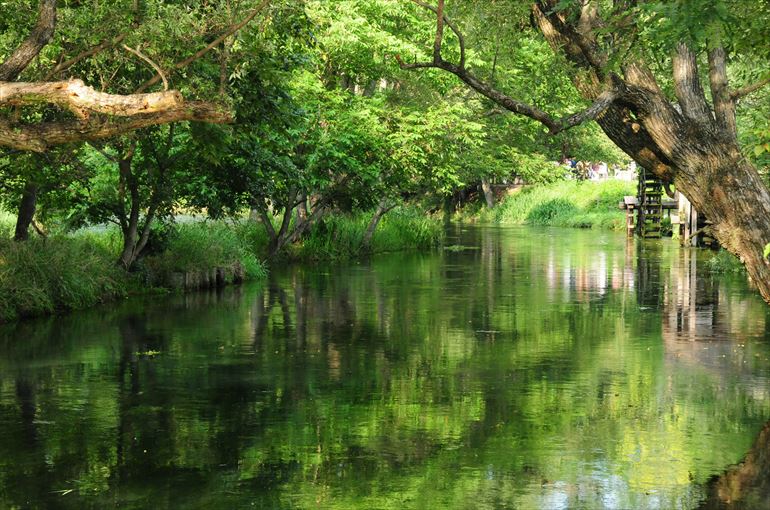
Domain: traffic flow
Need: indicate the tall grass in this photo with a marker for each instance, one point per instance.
(206, 245)
(583, 204)
(723, 262)
(44, 276)
(341, 236)
(7, 222)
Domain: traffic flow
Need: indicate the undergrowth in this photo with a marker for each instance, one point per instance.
(42, 276)
(205, 245)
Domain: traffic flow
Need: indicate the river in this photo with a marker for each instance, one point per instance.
(517, 368)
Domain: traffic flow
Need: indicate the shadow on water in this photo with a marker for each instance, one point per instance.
(524, 369)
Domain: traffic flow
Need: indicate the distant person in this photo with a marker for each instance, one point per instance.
(603, 170)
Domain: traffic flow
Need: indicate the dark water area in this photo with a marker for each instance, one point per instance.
(519, 368)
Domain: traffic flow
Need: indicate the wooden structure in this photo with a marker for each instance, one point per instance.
(645, 213)
(650, 213)
(693, 226)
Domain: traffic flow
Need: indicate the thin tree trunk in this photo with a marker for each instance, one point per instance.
(382, 209)
(130, 224)
(26, 212)
(267, 222)
(302, 213)
(282, 238)
(489, 195)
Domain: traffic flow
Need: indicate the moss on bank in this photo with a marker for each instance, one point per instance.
(65, 272)
(581, 204)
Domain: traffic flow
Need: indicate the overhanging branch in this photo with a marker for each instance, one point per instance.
(39, 137)
(81, 99)
(555, 126)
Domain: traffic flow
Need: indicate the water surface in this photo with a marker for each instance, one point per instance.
(519, 369)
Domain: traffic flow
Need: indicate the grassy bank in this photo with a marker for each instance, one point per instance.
(40, 277)
(340, 237)
(45, 276)
(581, 204)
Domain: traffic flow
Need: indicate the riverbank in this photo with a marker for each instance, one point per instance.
(68, 272)
(579, 204)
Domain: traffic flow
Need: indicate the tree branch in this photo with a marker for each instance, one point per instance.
(593, 112)
(749, 89)
(724, 105)
(213, 44)
(450, 24)
(80, 99)
(602, 102)
(439, 31)
(107, 43)
(40, 137)
(149, 62)
(36, 41)
(687, 85)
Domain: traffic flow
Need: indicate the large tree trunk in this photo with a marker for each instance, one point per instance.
(690, 143)
(26, 212)
(735, 199)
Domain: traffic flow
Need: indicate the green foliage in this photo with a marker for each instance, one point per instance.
(535, 168)
(43, 276)
(558, 211)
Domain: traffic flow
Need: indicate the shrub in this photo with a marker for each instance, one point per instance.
(340, 236)
(554, 212)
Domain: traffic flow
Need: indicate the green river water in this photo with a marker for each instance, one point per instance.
(521, 368)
